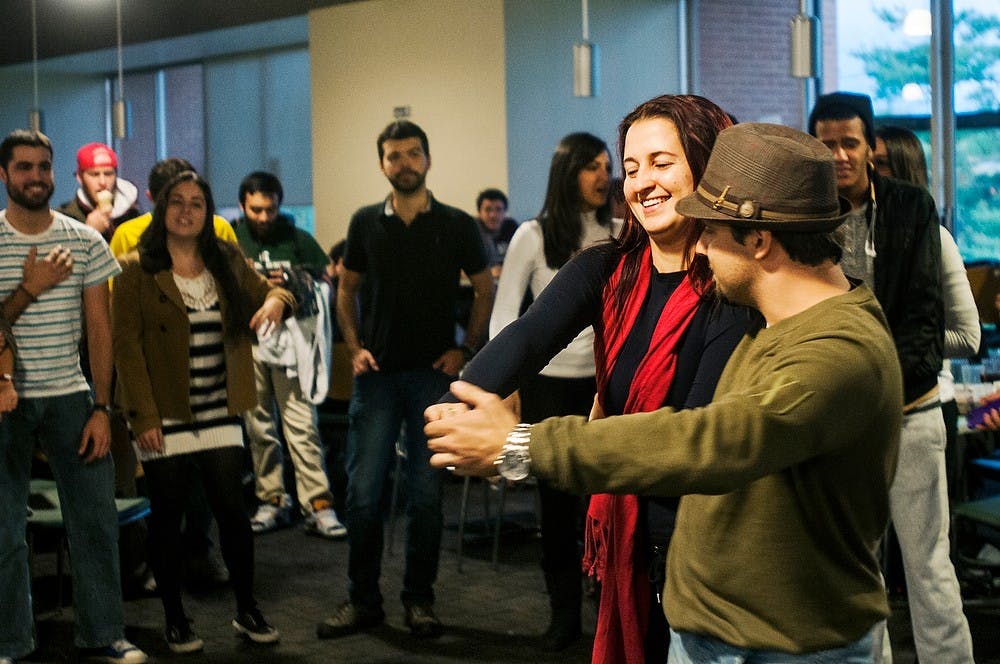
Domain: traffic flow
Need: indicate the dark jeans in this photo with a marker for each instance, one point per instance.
(168, 480)
(380, 403)
(543, 397)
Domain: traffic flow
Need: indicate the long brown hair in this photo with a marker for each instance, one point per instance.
(559, 219)
(698, 121)
(217, 254)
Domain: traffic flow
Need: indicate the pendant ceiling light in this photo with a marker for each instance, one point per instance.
(805, 29)
(119, 111)
(585, 60)
(35, 114)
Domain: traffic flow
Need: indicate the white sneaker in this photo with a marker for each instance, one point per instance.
(324, 523)
(119, 652)
(271, 517)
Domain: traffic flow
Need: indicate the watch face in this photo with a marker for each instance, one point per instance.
(514, 466)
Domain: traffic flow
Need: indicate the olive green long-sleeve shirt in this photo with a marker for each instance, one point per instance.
(785, 477)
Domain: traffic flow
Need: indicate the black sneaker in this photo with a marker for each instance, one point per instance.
(422, 622)
(182, 639)
(252, 625)
(350, 618)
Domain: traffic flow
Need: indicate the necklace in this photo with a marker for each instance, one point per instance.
(199, 292)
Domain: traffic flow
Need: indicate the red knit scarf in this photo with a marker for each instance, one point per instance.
(612, 520)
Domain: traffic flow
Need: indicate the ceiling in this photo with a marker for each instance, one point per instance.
(76, 26)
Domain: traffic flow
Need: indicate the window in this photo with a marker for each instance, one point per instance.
(884, 51)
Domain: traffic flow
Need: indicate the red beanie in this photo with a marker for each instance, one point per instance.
(95, 155)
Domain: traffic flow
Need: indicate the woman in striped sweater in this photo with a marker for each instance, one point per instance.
(184, 310)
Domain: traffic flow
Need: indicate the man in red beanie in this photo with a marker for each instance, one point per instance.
(103, 200)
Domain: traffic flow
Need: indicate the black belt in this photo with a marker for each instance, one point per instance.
(919, 409)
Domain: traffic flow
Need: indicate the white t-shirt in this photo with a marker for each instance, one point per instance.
(525, 265)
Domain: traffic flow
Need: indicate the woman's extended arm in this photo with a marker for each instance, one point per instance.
(566, 306)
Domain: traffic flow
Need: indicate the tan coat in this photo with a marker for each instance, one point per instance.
(151, 335)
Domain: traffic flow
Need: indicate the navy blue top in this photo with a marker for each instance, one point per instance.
(410, 279)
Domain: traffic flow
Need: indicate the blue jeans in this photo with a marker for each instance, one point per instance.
(86, 495)
(689, 648)
(381, 402)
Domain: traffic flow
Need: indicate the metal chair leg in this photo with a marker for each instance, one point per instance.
(462, 513)
(499, 522)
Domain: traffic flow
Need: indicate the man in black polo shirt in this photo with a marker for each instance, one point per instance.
(401, 265)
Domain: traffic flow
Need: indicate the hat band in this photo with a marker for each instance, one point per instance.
(749, 209)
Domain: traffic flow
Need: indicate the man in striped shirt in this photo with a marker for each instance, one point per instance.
(57, 406)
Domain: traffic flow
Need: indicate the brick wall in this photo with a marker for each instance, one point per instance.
(743, 58)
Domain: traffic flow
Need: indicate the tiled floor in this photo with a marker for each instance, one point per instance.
(491, 615)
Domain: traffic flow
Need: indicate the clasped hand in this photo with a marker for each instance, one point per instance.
(468, 436)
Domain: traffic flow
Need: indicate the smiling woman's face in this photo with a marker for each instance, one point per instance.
(657, 175)
(186, 210)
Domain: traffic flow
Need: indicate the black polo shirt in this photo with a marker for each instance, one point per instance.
(410, 280)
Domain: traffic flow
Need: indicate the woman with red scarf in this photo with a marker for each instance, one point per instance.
(662, 339)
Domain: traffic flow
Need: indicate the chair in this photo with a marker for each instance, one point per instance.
(984, 513)
(497, 525)
(46, 515)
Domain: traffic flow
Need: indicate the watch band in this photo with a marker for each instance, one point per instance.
(103, 407)
(514, 461)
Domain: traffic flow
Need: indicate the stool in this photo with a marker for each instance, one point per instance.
(46, 514)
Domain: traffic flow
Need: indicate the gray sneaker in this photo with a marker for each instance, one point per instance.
(350, 618)
(422, 622)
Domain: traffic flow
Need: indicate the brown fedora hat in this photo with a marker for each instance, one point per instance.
(768, 176)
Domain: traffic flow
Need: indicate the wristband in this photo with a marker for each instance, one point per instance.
(103, 407)
(6, 378)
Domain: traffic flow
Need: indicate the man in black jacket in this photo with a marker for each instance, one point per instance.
(892, 242)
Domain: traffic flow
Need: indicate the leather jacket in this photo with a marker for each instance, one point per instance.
(908, 277)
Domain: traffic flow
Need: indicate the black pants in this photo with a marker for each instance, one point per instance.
(168, 480)
(543, 397)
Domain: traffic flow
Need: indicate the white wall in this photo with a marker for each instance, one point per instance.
(442, 58)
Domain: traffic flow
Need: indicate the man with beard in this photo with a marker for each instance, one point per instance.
(287, 254)
(785, 475)
(402, 262)
(103, 199)
(57, 407)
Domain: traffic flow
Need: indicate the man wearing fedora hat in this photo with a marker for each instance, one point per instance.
(785, 475)
(893, 244)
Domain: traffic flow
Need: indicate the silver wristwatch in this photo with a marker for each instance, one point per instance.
(514, 461)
